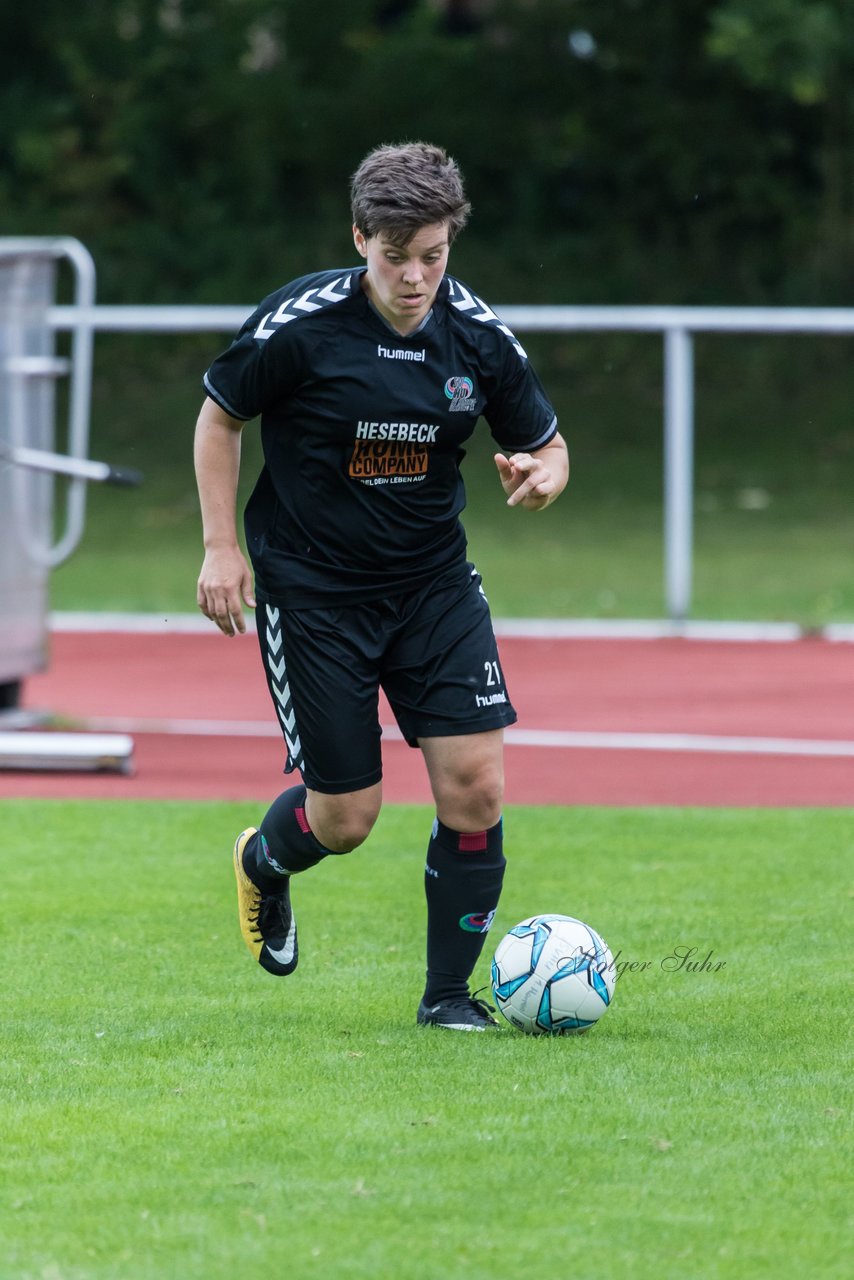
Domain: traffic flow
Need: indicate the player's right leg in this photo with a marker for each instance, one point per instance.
(267, 921)
(266, 915)
(325, 690)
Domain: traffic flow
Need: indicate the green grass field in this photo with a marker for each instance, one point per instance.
(170, 1111)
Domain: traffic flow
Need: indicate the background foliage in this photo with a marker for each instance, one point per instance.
(636, 151)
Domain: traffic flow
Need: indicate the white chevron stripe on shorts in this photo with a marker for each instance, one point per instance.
(280, 688)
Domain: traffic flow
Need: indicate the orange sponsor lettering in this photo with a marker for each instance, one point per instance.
(387, 458)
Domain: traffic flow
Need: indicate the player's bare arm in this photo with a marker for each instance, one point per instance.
(225, 581)
(533, 480)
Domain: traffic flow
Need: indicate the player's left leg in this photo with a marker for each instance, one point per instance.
(444, 681)
(464, 871)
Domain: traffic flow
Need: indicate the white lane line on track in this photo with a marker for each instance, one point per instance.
(555, 738)
(513, 628)
(680, 742)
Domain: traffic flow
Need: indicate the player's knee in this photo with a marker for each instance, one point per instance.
(485, 806)
(340, 823)
(472, 801)
(344, 836)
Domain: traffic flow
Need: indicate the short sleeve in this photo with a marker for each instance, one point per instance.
(261, 367)
(519, 414)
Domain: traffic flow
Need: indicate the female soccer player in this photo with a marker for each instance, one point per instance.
(368, 380)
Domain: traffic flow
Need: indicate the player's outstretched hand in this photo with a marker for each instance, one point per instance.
(225, 585)
(527, 481)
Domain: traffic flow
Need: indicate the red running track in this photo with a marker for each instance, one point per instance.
(798, 692)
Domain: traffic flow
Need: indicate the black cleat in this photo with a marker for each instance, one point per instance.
(461, 1013)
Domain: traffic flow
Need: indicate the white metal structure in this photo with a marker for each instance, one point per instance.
(29, 549)
(677, 325)
(29, 371)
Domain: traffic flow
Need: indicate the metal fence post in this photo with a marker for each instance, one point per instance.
(678, 471)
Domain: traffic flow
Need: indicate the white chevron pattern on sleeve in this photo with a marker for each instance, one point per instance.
(460, 297)
(280, 688)
(305, 304)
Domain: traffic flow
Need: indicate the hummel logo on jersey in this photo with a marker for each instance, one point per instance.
(401, 353)
(308, 302)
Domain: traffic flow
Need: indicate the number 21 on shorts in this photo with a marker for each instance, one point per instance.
(493, 675)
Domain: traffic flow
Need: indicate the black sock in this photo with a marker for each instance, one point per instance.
(285, 843)
(462, 881)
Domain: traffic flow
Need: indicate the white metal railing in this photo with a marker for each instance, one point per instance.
(677, 325)
(79, 369)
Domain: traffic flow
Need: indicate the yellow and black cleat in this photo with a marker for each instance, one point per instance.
(266, 918)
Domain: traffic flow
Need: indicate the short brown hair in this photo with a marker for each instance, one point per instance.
(400, 189)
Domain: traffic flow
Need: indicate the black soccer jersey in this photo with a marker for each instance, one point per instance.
(362, 432)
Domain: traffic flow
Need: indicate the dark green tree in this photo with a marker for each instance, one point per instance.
(643, 150)
(804, 53)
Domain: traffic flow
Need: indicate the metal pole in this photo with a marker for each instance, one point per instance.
(82, 340)
(678, 470)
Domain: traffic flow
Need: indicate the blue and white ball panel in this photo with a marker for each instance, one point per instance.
(552, 974)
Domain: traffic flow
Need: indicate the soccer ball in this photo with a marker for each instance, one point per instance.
(552, 974)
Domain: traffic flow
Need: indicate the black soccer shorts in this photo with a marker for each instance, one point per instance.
(431, 650)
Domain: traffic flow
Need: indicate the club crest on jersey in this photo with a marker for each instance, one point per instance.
(460, 392)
